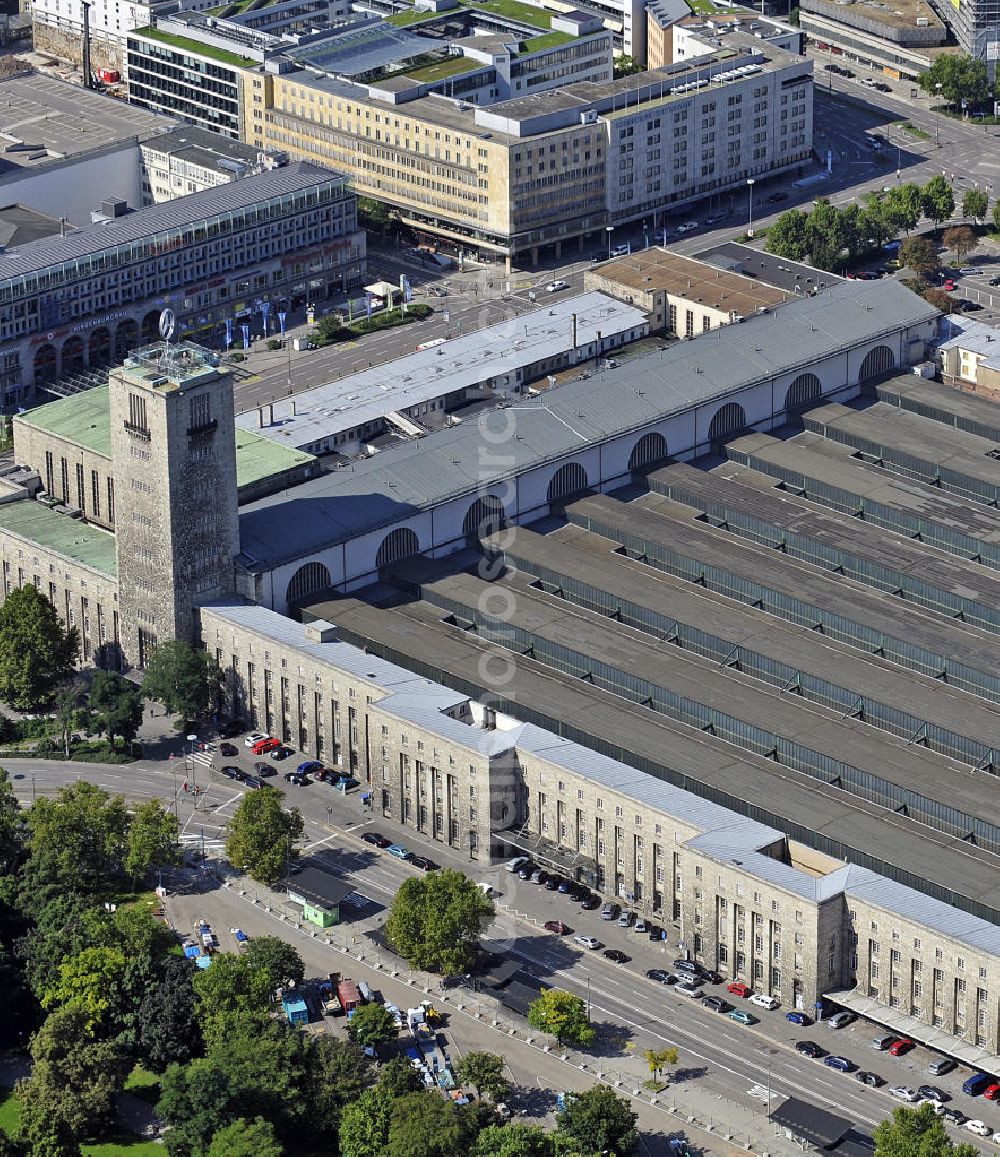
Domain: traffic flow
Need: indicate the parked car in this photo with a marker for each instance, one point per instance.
(254, 738)
(688, 227)
(556, 926)
(231, 772)
(995, 281)
(625, 920)
(883, 1042)
(590, 903)
(399, 852)
(799, 1018)
(516, 864)
(933, 1093)
(901, 1047)
(954, 1116)
(980, 1128)
(992, 1092)
(762, 1001)
(677, 1147)
(654, 932)
(587, 941)
(526, 872)
(841, 1064)
(552, 884)
(229, 750)
(556, 286)
(841, 1019)
(742, 1017)
(881, 86)
(280, 752)
(611, 911)
(976, 1084)
(904, 1093)
(809, 1048)
(777, 198)
(262, 768)
(297, 778)
(425, 865)
(942, 1066)
(661, 976)
(538, 876)
(640, 925)
(565, 888)
(616, 956)
(688, 987)
(737, 988)
(716, 1004)
(873, 1080)
(265, 745)
(377, 840)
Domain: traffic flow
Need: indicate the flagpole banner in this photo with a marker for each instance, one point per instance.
(246, 335)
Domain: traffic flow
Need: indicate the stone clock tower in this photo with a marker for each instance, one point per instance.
(173, 446)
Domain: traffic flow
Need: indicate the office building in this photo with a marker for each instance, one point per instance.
(903, 40)
(217, 258)
(188, 159)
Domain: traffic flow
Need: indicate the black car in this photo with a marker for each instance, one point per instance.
(775, 198)
(880, 86)
(716, 1004)
(616, 956)
(297, 778)
(526, 872)
(654, 931)
(231, 772)
(424, 864)
(691, 967)
(934, 1093)
(377, 840)
(710, 976)
(229, 750)
(591, 903)
(552, 884)
(264, 769)
(660, 975)
(253, 782)
(281, 753)
(846, 72)
(954, 1116)
(809, 1048)
(967, 306)
(873, 1080)
(995, 281)
(580, 893)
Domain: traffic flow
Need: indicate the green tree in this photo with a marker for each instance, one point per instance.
(877, 219)
(424, 1124)
(152, 839)
(70, 711)
(625, 65)
(960, 240)
(74, 1080)
(961, 78)
(975, 204)
(245, 1138)
(80, 836)
(88, 982)
(238, 989)
(917, 1133)
(196, 1102)
(364, 1124)
(786, 237)
(60, 931)
(167, 1026)
(660, 1059)
(436, 921)
(117, 706)
(598, 1121)
(486, 1072)
(938, 201)
(905, 205)
(10, 821)
(262, 835)
(919, 254)
(376, 216)
(36, 651)
(276, 959)
(185, 680)
(372, 1025)
(564, 1016)
(825, 238)
(514, 1140)
(337, 1074)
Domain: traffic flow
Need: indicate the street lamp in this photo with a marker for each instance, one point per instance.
(609, 229)
(937, 119)
(750, 184)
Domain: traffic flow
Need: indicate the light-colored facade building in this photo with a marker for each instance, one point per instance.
(683, 296)
(745, 899)
(969, 357)
(188, 160)
(84, 300)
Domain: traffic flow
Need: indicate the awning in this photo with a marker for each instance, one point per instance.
(910, 1026)
(810, 1124)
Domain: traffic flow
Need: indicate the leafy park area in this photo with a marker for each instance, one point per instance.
(332, 329)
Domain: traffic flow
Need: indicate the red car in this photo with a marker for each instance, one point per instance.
(556, 926)
(992, 1092)
(738, 988)
(901, 1046)
(263, 746)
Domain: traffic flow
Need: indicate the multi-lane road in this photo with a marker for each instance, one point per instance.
(729, 1061)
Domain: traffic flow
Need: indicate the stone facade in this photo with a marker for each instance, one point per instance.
(743, 898)
(174, 451)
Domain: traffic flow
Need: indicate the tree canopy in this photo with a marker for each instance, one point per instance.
(116, 706)
(436, 921)
(961, 78)
(36, 650)
(917, 1133)
(564, 1016)
(485, 1071)
(262, 835)
(599, 1121)
(183, 678)
(975, 204)
(80, 836)
(938, 200)
(920, 254)
(960, 240)
(372, 1025)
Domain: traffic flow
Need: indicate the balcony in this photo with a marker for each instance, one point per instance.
(138, 432)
